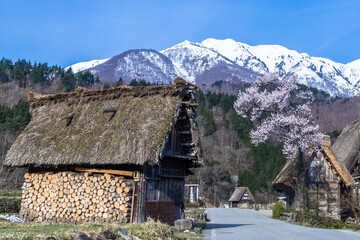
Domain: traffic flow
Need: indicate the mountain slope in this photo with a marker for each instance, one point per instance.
(137, 64)
(335, 78)
(81, 66)
(194, 61)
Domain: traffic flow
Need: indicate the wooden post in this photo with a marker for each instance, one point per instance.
(132, 203)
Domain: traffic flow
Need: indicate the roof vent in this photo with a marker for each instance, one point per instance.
(110, 110)
(68, 119)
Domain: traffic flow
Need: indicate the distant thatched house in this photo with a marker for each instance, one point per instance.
(96, 155)
(316, 183)
(241, 198)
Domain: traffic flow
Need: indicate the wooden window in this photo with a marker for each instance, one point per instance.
(172, 168)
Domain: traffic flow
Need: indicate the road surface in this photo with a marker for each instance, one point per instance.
(234, 223)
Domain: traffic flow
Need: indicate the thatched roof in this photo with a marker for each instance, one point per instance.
(125, 125)
(239, 193)
(288, 174)
(347, 145)
(339, 167)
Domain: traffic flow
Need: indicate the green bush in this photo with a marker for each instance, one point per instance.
(201, 203)
(278, 209)
(186, 201)
(314, 220)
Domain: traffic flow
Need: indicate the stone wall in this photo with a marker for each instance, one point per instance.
(76, 197)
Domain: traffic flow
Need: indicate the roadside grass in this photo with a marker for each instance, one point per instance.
(30, 231)
(150, 230)
(39, 231)
(192, 234)
(311, 219)
(200, 224)
(194, 211)
(10, 193)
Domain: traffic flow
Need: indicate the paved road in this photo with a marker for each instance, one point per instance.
(233, 223)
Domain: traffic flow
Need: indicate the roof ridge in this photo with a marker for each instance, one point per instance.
(37, 99)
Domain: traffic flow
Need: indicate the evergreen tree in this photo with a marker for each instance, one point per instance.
(120, 82)
(69, 80)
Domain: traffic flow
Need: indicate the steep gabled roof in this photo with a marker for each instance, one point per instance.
(347, 145)
(239, 193)
(286, 176)
(339, 167)
(125, 125)
(289, 172)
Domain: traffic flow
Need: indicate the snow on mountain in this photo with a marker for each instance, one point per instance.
(335, 78)
(352, 72)
(237, 52)
(227, 60)
(193, 59)
(81, 66)
(137, 64)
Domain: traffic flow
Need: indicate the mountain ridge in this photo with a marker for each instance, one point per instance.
(192, 60)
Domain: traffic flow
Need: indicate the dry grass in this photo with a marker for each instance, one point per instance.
(151, 230)
(30, 231)
(10, 193)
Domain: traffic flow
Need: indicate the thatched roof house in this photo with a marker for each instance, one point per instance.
(241, 197)
(288, 174)
(347, 148)
(321, 176)
(125, 125)
(149, 130)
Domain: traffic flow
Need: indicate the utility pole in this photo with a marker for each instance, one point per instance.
(215, 188)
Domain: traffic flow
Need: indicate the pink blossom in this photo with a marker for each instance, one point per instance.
(282, 111)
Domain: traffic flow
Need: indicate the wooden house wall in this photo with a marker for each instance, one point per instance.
(139, 208)
(165, 182)
(323, 187)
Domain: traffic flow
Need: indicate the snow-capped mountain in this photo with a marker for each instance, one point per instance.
(228, 60)
(81, 66)
(137, 64)
(335, 78)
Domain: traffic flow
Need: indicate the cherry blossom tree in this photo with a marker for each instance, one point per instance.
(280, 110)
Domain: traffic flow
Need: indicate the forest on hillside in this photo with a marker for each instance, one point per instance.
(26, 74)
(15, 79)
(229, 157)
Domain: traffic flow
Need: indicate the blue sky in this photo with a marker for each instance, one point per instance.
(66, 32)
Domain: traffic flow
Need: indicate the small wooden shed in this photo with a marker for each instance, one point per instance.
(119, 154)
(317, 183)
(241, 198)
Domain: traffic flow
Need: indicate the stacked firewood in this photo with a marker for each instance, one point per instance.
(76, 197)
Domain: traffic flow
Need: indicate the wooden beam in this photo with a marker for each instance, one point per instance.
(184, 132)
(109, 171)
(187, 144)
(190, 104)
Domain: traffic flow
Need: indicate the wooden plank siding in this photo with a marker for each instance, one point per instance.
(165, 182)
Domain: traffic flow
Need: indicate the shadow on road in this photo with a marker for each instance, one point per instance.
(220, 225)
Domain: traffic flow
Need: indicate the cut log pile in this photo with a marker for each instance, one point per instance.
(76, 197)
